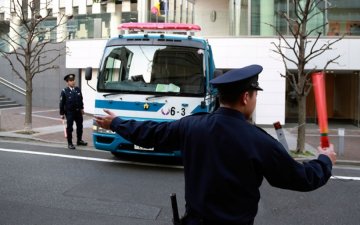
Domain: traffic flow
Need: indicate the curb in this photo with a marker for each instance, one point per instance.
(344, 162)
(23, 138)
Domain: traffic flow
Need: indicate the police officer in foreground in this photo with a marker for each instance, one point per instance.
(225, 157)
(72, 107)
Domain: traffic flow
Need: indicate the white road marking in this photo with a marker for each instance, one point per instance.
(126, 162)
(50, 110)
(46, 117)
(345, 178)
(340, 167)
(86, 158)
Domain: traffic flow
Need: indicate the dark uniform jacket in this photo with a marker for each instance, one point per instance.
(225, 159)
(71, 101)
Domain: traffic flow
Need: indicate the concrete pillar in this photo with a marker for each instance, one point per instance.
(115, 19)
(43, 7)
(55, 7)
(61, 30)
(358, 102)
(82, 8)
(110, 7)
(114, 23)
(341, 134)
(143, 11)
(126, 6)
(267, 10)
(237, 17)
(96, 8)
(68, 8)
(14, 23)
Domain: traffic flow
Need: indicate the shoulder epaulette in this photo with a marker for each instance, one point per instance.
(264, 131)
(261, 129)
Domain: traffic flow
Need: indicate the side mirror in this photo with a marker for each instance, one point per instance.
(88, 73)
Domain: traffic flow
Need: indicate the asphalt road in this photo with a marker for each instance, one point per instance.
(42, 184)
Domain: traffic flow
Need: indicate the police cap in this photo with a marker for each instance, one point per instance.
(242, 79)
(70, 76)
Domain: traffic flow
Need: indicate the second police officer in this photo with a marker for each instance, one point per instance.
(72, 107)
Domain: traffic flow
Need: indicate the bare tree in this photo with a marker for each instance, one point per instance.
(303, 45)
(27, 50)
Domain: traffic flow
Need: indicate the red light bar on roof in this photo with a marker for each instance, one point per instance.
(159, 27)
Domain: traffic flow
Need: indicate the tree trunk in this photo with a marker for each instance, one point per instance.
(300, 148)
(28, 107)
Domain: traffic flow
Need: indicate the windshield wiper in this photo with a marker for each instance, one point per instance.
(109, 94)
(155, 96)
(163, 96)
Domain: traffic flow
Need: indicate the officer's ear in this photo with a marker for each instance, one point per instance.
(244, 98)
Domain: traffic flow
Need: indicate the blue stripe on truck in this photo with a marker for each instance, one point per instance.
(132, 106)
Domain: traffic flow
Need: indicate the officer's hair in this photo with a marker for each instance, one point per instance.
(231, 97)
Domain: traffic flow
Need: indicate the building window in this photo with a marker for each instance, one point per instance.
(103, 8)
(239, 17)
(50, 13)
(75, 10)
(344, 18)
(281, 8)
(89, 9)
(36, 5)
(255, 17)
(62, 11)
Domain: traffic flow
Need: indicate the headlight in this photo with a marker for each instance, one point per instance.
(98, 129)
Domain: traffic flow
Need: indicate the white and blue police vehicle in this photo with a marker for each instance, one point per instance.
(152, 71)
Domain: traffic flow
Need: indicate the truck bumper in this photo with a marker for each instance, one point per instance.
(116, 144)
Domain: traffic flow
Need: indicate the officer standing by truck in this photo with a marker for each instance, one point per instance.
(225, 156)
(72, 107)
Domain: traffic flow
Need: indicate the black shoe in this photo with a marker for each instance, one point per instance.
(71, 146)
(82, 143)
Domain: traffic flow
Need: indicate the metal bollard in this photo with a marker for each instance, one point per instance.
(280, 135)
(341, 134)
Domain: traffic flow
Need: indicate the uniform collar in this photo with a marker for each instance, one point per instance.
(230, 112)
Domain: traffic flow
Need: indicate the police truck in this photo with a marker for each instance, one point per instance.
(152, 71)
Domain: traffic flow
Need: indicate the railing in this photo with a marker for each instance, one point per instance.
(12, 86)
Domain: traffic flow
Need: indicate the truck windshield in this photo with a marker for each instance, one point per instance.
(158, 70)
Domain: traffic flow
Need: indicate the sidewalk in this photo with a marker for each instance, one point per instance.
(48, 126)
(46, 123)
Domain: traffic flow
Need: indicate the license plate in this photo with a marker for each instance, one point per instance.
(136, 147)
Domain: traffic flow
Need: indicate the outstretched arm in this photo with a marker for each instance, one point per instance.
(165, 135)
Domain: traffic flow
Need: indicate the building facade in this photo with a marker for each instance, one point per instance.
(239, 33)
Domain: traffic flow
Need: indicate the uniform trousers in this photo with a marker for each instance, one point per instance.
(72, 116)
